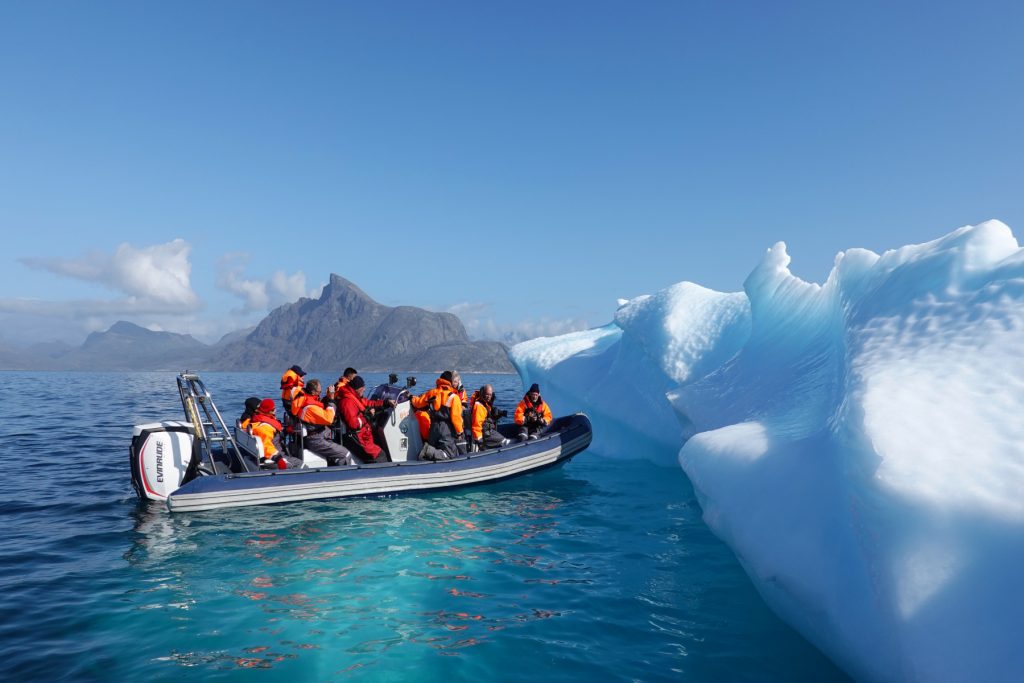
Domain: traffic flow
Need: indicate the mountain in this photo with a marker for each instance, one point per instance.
(345, 327)
(230, 337)
(126, 346)
(13, 358)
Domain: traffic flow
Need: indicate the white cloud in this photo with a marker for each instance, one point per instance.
(287, 288)
(153, 281)
(469, 309)
(259, 295)
(152, 278)
(480, 325)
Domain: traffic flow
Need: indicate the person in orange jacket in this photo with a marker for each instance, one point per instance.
(483, 420)
(459, 388)
(443, 405)
(353, 415)
(251, 405)
(466, 417)
(260, 421)
(423, 416)
(291, 386)
(265, 426)
(318, 417)
(532, 414)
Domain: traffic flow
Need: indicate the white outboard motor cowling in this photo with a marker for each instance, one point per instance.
(160, 454)
(397, 427)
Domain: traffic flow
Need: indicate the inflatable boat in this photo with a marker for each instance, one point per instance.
(201, 463)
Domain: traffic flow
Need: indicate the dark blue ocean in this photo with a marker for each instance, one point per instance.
(597, 570)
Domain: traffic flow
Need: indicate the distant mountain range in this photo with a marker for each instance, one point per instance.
(344, 327)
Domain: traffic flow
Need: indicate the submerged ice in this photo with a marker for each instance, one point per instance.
(858, 444)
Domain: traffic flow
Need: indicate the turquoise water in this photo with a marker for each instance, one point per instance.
(597, 570)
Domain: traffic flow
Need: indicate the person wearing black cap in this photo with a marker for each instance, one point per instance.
(532, 414)
(358, 430)
(291, 386)
(444, 408)
(251, 405)
(345, 378)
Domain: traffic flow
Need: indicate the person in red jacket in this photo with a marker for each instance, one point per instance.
(358, 430)
(532, 414)
(345, 378)
(317, 416)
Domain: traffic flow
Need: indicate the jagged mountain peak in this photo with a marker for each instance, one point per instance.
(125, 327)
(340, 288)
(346, 327)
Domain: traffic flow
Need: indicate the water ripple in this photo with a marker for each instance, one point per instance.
(598, 569)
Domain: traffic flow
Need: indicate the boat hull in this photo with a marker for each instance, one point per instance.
(569, 436)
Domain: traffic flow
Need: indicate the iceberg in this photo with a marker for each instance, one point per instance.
(858, 444)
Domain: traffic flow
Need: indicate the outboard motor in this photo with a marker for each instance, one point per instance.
(396, 430)
(160, 455)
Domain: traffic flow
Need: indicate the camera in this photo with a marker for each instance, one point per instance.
(499, 413)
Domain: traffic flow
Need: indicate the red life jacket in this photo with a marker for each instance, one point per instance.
(538, 406)
(268, 419)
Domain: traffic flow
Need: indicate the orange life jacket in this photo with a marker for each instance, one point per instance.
(479, 414)
(291, 385)
(310, 410)
(540, 407)
(423, 418)
(266, 427)
(442, 400)
(341, 384)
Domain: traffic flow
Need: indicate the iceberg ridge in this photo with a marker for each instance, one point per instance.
(855, 443)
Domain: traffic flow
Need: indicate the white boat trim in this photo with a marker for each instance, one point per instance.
(417, 480)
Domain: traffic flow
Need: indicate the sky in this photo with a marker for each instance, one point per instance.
(189, 166)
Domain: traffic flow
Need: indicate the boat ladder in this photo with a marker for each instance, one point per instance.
(210, 428)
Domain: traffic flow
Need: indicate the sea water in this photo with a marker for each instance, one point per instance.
(600, 569)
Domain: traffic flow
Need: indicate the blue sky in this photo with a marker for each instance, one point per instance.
(188, 166)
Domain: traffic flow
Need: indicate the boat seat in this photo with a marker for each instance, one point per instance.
(308, 457)
(249, 443)
(251, 447)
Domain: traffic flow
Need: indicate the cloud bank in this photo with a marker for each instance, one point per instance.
(260, 295)
(480, 324)
(153, 279)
